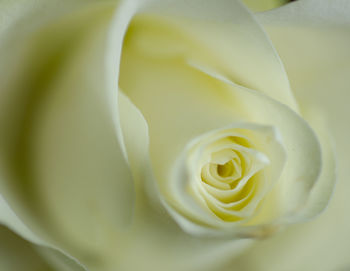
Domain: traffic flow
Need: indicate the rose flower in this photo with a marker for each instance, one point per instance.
(161, 135)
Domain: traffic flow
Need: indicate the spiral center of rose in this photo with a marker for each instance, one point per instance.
(223, 177)
(226, 173)
(231, 175)
(226, 169)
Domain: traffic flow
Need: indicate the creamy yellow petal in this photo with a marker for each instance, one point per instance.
(314, 44)
(319, 32)
(186, 96)
(235, 44)
(154, 239)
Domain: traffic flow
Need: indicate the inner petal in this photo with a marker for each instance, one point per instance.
(226, 169)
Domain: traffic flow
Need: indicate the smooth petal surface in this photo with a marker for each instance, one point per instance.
(235, 44)
(322, 25)
(54, 255)
(154, 234)
(211, 103)
(17, 254)
(317, 61)
(62, 169)
(88, 173)
(69, 137)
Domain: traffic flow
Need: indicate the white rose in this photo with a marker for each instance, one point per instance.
(151, 134)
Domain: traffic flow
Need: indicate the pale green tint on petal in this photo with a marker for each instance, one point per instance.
(55, 255)
(90, 193)
(317, 61)
(62, 169)
(136, 139)
(113, 50)
(135, 132)
(18, 254)
(9, 218)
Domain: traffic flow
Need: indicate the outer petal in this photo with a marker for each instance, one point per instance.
(317, 60)
(17, 254)
(62, 169)
(57, 256)
(323, 26)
